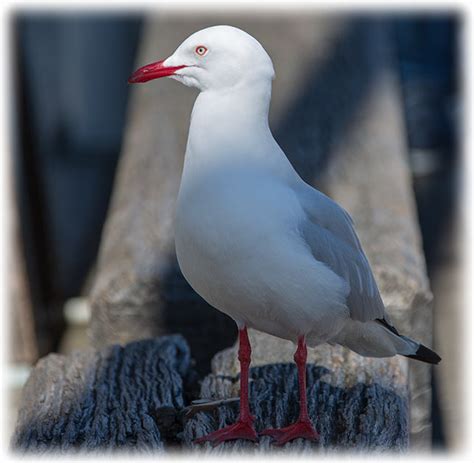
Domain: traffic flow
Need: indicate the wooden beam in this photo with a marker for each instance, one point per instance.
(118, 398)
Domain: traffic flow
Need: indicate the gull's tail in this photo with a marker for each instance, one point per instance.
(378, 338)
(423, 354)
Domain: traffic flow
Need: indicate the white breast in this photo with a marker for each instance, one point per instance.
(238, 245)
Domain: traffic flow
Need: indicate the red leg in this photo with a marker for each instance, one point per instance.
(243, 428)
(303, 427)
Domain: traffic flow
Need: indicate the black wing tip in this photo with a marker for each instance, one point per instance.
(387, 325)
(425, 355)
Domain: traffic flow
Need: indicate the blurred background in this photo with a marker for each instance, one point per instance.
(68, 119)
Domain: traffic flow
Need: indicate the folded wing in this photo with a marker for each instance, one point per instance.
(328, 230)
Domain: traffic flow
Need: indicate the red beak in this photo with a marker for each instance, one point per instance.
(152, 71)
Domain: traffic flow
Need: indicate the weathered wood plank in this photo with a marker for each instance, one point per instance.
(131, 398)
(113, 399)
(355, 404)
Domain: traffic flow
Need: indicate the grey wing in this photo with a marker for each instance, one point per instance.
(329, 233)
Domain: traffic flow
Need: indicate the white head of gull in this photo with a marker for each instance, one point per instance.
(256, 241)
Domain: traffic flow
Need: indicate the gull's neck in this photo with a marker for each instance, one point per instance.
(230, 123)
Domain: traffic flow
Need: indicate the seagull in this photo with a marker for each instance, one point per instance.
(256, 241)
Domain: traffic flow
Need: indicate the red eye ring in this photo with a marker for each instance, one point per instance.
(201, 50)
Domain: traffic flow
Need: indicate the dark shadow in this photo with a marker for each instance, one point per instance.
(206, 329)
(430, 83)
(319, 118)
(70, 105)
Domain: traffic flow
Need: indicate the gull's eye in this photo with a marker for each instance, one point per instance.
(201, 50)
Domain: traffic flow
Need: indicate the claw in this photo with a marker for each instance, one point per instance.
(298, 430)
(239, 430)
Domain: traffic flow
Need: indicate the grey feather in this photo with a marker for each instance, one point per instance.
(331, 237)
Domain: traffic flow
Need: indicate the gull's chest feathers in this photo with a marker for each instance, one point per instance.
(219, 206)
(225, 217)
